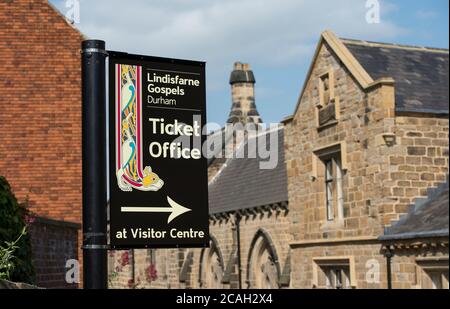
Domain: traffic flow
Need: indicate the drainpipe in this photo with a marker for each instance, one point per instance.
(238, 240)
(389, 256)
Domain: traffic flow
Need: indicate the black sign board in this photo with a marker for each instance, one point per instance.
(158, 174)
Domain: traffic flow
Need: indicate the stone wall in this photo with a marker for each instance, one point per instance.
(360, 121)
(170, 264)
(367, 263)
(144, 268)
(389, 160)
(418, 161)
(274, 224)
(412, 259)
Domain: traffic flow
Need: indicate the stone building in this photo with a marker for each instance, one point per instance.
(249, 225)
(40, 129)
(369, 136)
(356, 199)
(417, 245)
(359, 196)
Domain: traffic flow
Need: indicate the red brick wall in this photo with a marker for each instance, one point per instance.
(40, 120)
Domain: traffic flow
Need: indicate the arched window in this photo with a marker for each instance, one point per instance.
(263, 267)
(211, 267)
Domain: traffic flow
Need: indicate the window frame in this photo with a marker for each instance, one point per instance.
(337, 277)
(319, 156)
(329, 189)
(431, 267)
(333, 179)
(332, 98)
(325, 269)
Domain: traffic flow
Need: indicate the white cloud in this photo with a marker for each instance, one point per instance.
(267, 33)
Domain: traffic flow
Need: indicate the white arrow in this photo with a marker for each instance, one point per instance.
(175, 209)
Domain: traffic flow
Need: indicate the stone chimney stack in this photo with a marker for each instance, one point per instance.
(242, 83)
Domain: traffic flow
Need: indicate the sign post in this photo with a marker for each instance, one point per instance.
(158, 174)
(158, 182)
(94, 164)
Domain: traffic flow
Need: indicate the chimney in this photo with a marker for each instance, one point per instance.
(243, 107)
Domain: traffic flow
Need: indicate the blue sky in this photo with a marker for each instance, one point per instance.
(277, 37)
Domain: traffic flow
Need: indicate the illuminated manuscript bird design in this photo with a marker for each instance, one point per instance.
(129, 172)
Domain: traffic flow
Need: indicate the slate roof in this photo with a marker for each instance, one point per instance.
(420, 74)
(428, 218)
(241, 184)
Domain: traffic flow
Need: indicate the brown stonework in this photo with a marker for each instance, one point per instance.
(388, 160)
(391, 159)
(346, 126)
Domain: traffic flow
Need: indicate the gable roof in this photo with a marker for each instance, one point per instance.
(420, 74)
(241, 184)
(410, 68)
(427, 218)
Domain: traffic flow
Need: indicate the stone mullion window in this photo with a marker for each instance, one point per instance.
(333, 187)
(339, 189)
(328, 166)
(439, 279)
(329, 188)
(334, 272)
(434, 273)
(337, 278)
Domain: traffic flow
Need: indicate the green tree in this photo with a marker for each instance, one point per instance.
(14, 241)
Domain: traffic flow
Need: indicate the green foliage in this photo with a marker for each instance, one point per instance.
(7, 256)
(15, 245)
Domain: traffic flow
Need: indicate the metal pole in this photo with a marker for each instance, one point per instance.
(94, 164)
(389, 255)
(238, 236)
